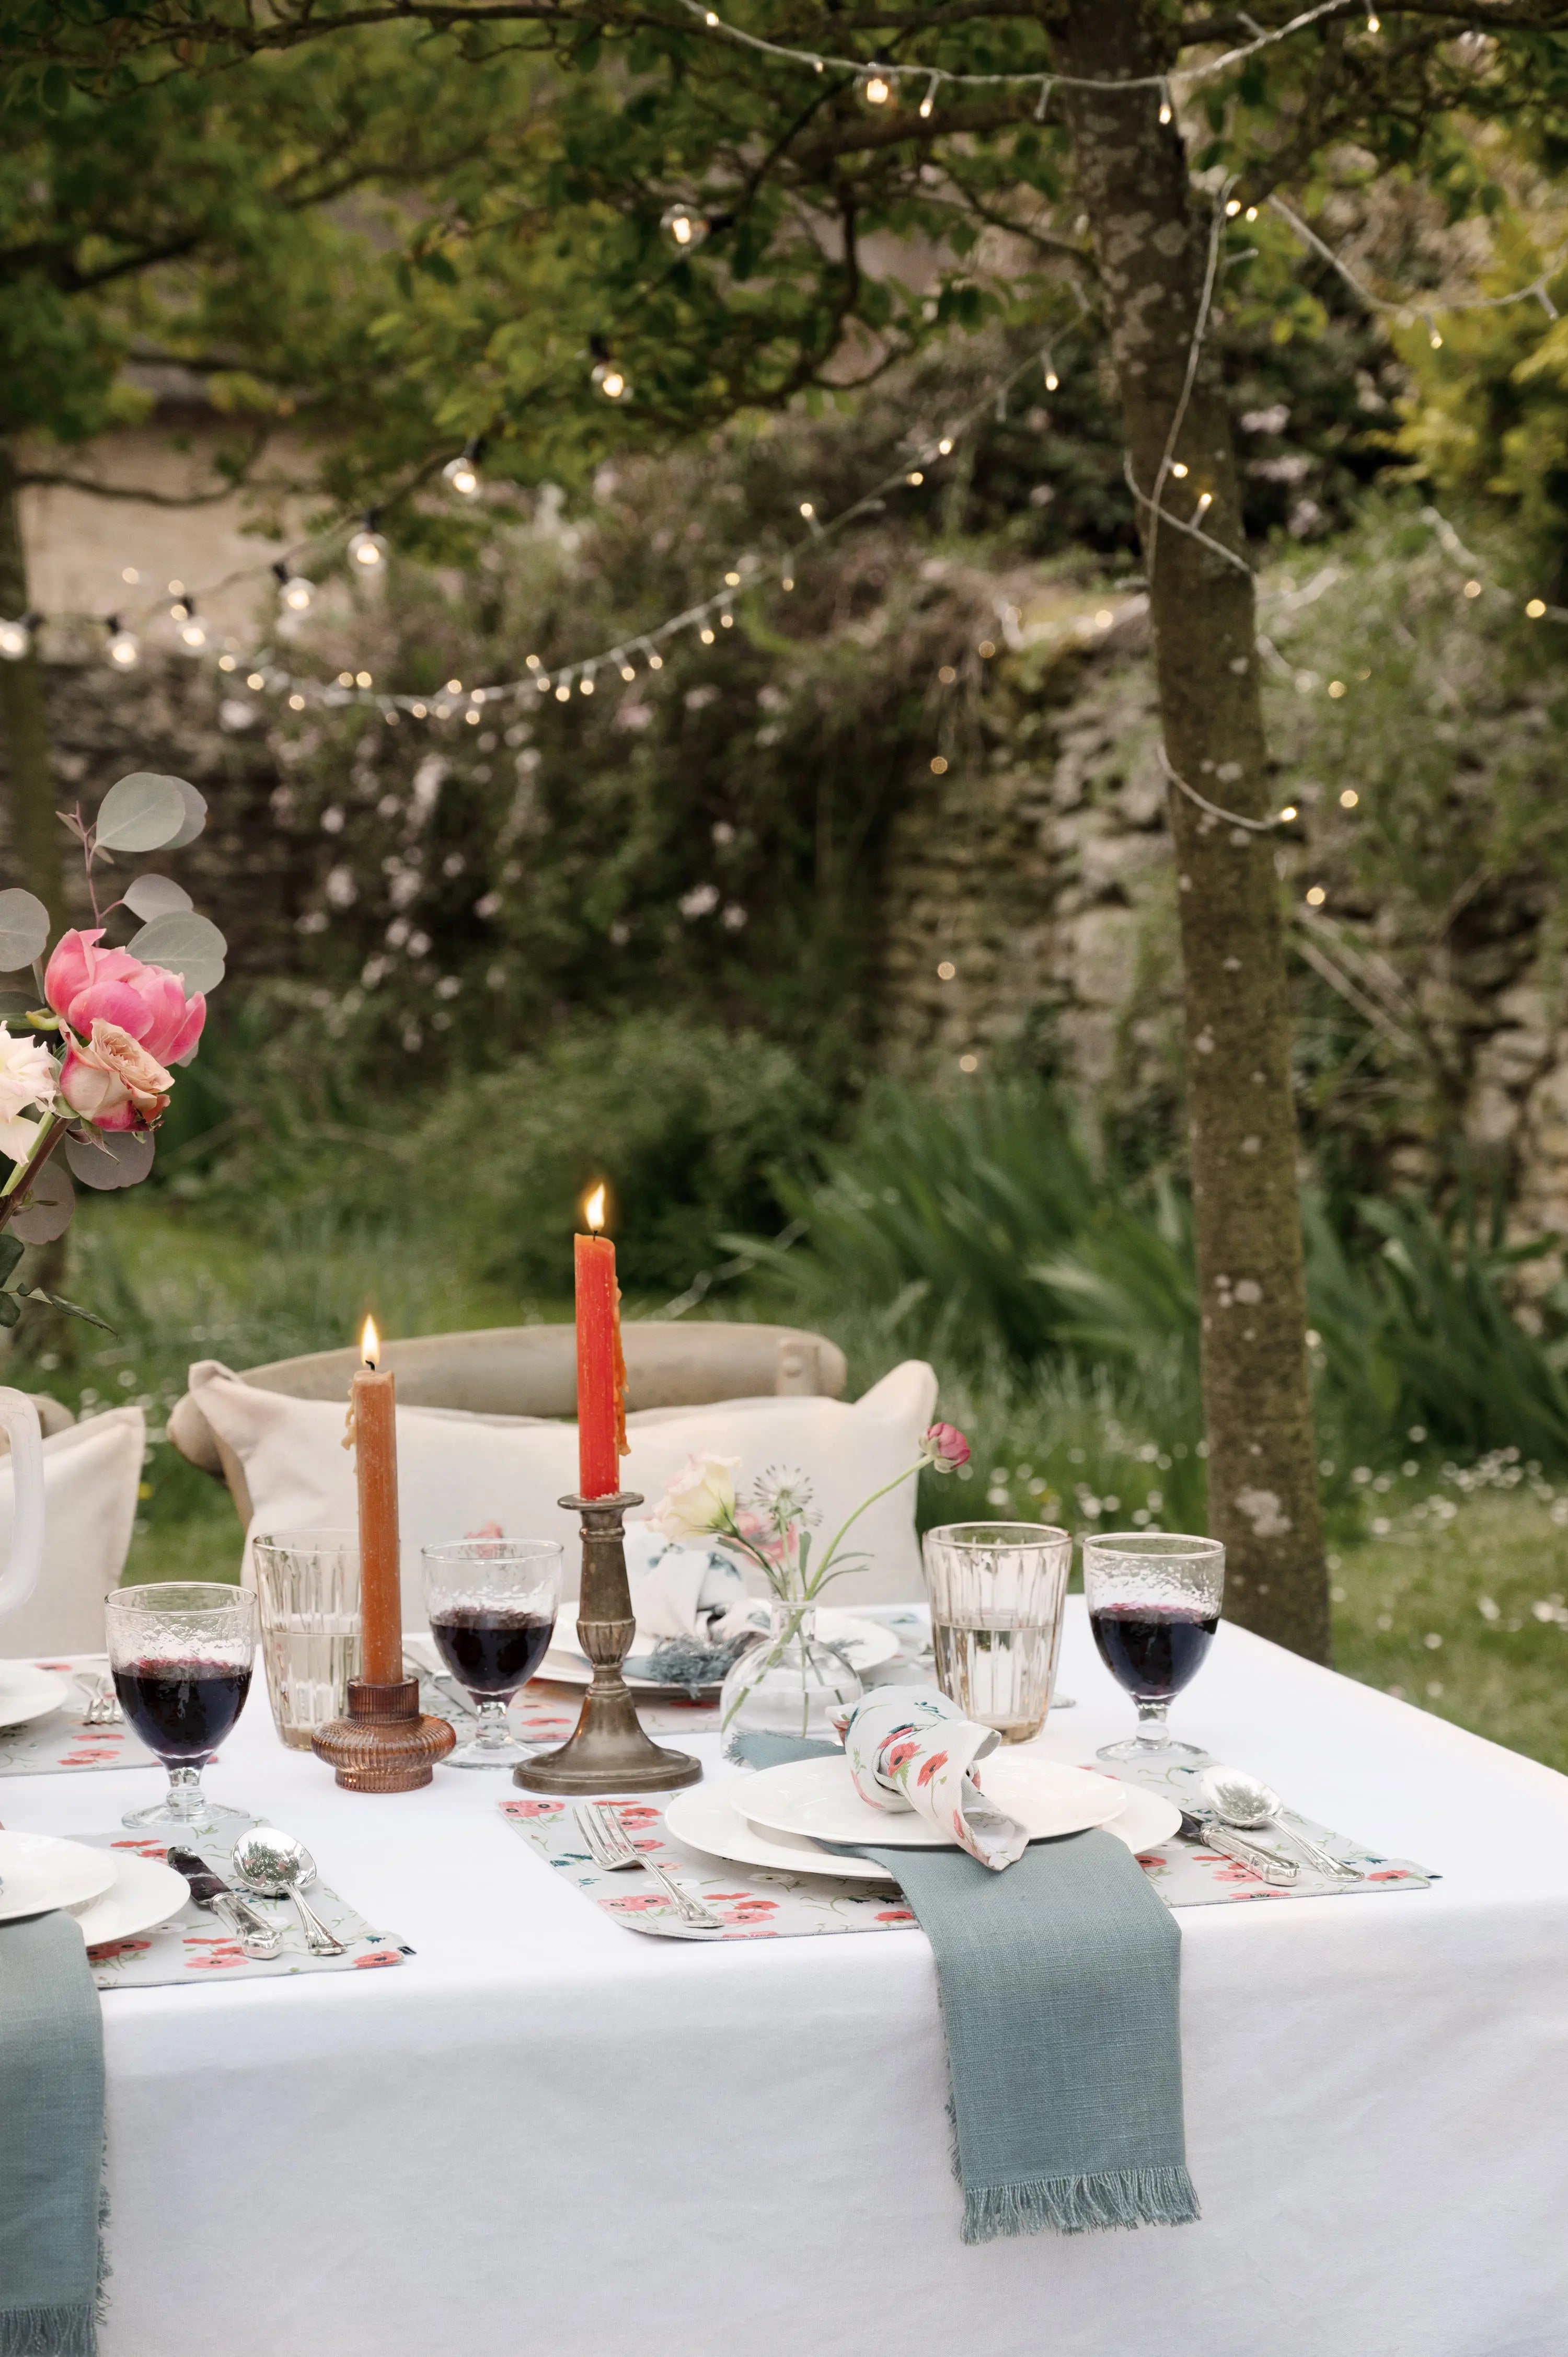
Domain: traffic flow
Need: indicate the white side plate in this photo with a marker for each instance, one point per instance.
(706, 1818)
(26, 1694)
(817, 1798)
(144, 1893)
(38, 1872)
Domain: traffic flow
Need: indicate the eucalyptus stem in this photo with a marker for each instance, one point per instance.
(51, 1133)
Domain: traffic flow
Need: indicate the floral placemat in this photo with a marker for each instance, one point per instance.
(547, 1713)
(766, 1903)
(193, 1946)
(62, 1743)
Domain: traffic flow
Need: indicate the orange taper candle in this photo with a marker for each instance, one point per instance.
(375, 1397)
(601, 1369)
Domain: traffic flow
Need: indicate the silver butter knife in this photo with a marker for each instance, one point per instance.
(258, 1938)
(1268, 1863)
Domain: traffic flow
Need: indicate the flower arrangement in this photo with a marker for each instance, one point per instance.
(772, 1526)
(789, 1680)
(86, 1079)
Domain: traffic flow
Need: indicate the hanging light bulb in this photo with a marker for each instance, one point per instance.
(929, 103)
(1052, 379)
(192, 630)
(463, 474)
(626, 672)
(124, 647)
(367, 549)
(685, 229)
(607, 376)
(655, 662)
(875, 88)
(295, 594)
(1165, 107)
(16, 638)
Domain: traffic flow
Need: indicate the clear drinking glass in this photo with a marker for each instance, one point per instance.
(181, 1653)
(996, 1591)
(307, 1586)
(492, 1606)
(1154, 1602)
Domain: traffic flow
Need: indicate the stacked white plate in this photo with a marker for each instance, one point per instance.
(112, 1893)
(26, 1694)
(865, 1642)
(780, 1816)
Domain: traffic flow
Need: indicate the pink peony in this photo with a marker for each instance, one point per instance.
(944, 1448)
(130, 1020)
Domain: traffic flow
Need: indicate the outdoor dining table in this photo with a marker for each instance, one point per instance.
(547, 2132)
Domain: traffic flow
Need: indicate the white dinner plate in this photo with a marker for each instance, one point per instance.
(817, 1798)
(706, 1818)
(144, 1893)
(28, 1694)
(38, 1872)
(865, 1643)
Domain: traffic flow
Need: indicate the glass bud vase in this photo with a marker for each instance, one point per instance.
(787, 1684)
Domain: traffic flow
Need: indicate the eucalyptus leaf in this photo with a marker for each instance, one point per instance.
(10, 1253)
(115, 1157)
(155, 896)
(59, 1301)
(140, 812)
(51, 1199)
(185, 944)
(195, 816)
(10, 1309)
(24, 929)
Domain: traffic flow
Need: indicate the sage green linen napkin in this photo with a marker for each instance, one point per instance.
(51, 2140)
(1059, 1980)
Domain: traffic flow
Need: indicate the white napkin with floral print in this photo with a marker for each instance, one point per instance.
(910, 1747)
(682, 1591)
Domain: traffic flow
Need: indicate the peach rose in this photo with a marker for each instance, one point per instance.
(113, 1081)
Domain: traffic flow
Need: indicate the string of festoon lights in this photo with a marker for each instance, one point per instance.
(367, 553)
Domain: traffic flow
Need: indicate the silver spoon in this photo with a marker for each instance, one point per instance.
(280, 1867)
(1252, 1806)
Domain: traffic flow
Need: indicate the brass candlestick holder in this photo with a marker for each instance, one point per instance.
(608, 1750)
(386, 1744)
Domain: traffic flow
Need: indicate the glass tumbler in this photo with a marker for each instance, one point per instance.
(308, 1585)
(997, 1591)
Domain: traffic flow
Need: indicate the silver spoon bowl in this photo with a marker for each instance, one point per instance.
(280, 1867)
(1252, 1806)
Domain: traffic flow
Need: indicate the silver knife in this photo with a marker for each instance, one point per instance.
(257, 1937)
(1266, 1863)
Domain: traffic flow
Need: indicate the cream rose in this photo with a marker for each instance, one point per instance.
(111, 1072)
(699, 1501)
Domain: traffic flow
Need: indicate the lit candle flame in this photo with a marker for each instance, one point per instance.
(370, 1344)
(594, 1210)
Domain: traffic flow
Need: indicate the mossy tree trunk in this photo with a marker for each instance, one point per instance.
(1151, 234)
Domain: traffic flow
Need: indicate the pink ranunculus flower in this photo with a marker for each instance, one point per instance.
(944, 1448)
(132, 1019)
(113, 1081)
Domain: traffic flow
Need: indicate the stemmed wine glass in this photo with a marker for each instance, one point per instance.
(1154, 1602)
(181, 1652)
(492, 1606)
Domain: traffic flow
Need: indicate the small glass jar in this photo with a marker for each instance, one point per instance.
(790, 1683)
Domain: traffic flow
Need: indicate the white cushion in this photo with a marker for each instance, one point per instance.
(456, 1473)
(92, 1472)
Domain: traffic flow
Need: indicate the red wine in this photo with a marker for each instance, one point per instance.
(182, 1710)
(1151, 1649)
(489, 1649)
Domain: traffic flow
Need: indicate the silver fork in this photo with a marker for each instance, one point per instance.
(103, 1701)
(611, 1846)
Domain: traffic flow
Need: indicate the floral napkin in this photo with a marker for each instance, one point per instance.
(910, 1747)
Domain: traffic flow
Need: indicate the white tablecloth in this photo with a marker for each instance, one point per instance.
(546, 2134)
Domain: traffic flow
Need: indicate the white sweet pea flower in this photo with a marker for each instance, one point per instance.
(700, 1499)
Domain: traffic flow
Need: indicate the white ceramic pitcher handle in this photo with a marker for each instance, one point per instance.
(19, 1414)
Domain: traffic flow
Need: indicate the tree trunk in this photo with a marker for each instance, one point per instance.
(45, 1338)
(1151, 234)
(36, 833)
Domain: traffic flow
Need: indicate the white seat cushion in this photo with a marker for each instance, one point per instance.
(457, 1473)
(91, 1472)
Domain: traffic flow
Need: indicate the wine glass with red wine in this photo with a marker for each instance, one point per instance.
(1153, 1605)
(181, 1653)
(492, 1606)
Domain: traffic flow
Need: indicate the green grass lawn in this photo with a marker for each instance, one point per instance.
(1448, 1580)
